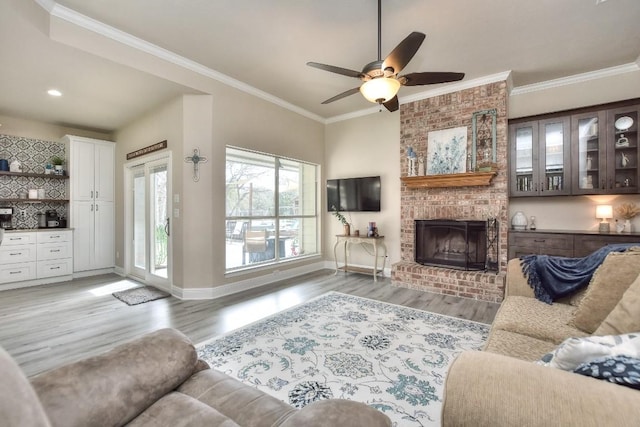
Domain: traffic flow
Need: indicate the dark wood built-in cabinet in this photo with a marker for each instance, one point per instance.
(563, 243)
(586, 151)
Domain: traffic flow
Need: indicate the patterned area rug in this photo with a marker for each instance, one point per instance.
(339, 346)
(140, 295)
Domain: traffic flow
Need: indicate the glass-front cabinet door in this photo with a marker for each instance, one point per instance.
(540, 158)
(555, 155)
(622, 150)
(589, 153)
(524, 155)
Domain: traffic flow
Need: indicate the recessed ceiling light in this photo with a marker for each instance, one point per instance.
(54, 92)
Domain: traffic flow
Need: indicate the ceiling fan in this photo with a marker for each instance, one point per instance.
(381, 81)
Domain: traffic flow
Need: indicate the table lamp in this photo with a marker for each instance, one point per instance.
(605, 212)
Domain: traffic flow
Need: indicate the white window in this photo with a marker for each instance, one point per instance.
(271, 209)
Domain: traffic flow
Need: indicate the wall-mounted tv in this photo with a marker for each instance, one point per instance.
(354, 194)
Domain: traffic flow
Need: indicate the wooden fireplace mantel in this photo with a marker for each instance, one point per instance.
(468, 179)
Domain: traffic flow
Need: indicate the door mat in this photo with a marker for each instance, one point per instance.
(140, 295)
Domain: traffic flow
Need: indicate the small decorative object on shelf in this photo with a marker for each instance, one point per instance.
(411, 155)
(484, 132)
(532, 223)
(519, 221)
(57, 163)
(627, 211)
(15, 166)
(345, 224)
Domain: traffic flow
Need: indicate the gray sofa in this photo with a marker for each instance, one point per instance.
(502, 387)
(157, 380)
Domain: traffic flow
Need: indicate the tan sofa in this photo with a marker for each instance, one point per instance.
(501, 386)
(157, 380)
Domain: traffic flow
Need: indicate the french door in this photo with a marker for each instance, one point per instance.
(149, 222)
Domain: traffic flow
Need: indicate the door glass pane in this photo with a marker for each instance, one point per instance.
(588, 153)
(554, 156)
(139, 254)
(524, 159)
(160, 225)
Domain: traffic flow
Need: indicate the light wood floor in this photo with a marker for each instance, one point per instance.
(47, 326)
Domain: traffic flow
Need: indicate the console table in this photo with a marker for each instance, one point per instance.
(376, 242)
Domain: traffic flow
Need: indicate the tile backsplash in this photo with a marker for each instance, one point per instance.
(33, 154)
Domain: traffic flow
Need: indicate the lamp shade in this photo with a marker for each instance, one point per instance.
(380, 90)
(604, 211)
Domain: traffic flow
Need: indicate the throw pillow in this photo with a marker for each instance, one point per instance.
(625, 316)
(608, 284)
(621, 370)
(573, 352)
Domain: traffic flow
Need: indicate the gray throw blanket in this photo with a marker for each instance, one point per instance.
(553, 277)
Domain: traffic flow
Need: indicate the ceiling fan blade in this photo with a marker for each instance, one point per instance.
(430, 78)
(402, 54)
(342, 95)
(338, 70)
(392, 104)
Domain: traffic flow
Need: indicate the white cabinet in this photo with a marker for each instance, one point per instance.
(35, 255)
(18, 257)
(92, 172)
(94, 245)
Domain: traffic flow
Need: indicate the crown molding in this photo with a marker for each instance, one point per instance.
(578, 78)
(127, 39)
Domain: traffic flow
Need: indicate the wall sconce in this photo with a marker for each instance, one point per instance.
(605, 212)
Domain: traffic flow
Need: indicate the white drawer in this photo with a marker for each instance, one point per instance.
(17, 272)
(54, 250)
(57, 267)
(53, 236)
(17, 253)
(25, 238)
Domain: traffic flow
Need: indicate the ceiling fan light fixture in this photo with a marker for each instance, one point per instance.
(380, 90)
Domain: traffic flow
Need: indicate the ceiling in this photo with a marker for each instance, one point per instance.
(266, 44)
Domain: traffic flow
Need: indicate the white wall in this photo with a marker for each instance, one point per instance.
(365, 146)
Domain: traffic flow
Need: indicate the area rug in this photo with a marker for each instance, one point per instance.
(135, 296)
(393, 358)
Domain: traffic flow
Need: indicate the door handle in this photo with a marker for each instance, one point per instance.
(166, 227)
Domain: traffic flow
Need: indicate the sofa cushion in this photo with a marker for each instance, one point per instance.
(625, 316)
(621, 370)
(113, 388)
(245, 405)
(180, 410)
(575, 351)
(536, 319)
(517, 345)
(19, 405)
(608, 284)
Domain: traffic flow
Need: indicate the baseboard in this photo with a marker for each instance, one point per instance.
(244, 285)
(89, 273)
(35, 282)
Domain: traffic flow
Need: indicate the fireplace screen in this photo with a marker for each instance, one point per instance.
(453, 243)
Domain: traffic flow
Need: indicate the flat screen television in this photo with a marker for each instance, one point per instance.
(354, 194)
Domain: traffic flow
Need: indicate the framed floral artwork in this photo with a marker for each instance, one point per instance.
(447, 151)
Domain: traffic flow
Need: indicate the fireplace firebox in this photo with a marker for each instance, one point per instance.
(459, 244)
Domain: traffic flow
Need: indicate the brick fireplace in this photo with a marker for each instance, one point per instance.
(417, 119)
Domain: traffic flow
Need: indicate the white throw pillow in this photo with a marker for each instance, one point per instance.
(575, 351)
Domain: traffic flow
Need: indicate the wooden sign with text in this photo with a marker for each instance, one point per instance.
(146, 150)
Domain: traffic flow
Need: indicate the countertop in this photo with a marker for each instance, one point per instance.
(22, 230)
(588, 232)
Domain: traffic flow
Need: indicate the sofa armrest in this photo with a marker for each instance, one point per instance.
(517, 284)
(487, 389)
(337, 412)
(114, 387)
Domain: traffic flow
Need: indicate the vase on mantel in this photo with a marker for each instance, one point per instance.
(627, 226)
(346, 229)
